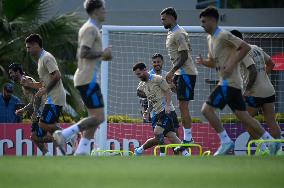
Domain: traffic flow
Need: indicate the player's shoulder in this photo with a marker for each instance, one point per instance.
(88, 27)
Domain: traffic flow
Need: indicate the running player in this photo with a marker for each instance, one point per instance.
(225, 53)
(89, 53)
(183, 72)
(34, 107)
(259, 92)
(159, 94)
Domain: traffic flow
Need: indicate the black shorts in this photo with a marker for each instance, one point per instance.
(185, 86)
(50, 113)
(173, 116)
(39, 131)
(257, 102)
(223, 95)
(91, 95)
(165, 121)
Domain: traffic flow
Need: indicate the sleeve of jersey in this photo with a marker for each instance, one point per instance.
(141, 86)
(230, 38)
(248, 61)
(182, 42)
(50, 64)
(88, 37)
(209, 55)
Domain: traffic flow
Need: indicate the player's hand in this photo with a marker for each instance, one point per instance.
(167, 110)
(20, 112)
(199, 60)
(25, 82)
(145, 114)
(42, 91)
(106, 56)
(246, 93)
(169, 77)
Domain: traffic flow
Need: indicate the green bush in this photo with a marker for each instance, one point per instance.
(193, 120)
(230, 118)
(123, 119)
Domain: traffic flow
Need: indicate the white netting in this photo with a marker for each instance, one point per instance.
(132, 46)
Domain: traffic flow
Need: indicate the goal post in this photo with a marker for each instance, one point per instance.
(138, 43)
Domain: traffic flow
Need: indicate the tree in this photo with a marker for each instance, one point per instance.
(18, 19)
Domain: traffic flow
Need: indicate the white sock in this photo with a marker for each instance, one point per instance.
(185, 153)
(140, 149)
(83, 147)
(187, 134)
(267, 136)
(70, 131)
(224, 137)
(162, 154)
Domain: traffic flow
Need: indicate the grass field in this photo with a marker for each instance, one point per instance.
(138, 172)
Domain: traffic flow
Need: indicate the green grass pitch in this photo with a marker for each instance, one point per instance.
(141, 172)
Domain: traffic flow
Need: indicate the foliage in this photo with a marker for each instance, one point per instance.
(123, 119)
(18, 19)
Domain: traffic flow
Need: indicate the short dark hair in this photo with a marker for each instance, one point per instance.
(34, 38)
(16, 67)
(170, 11)
(155, 55)
(210, 12)
(91, 5)
(139, 65)
(237, 33)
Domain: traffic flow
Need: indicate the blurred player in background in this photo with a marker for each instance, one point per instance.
(33, 108)
(183, 72)
(158, 93)
(50, 83)
(259, 92)
(89, 54)
(157, 64)
(225, 53)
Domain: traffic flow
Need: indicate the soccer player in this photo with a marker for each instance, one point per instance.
(183, 72)
(90, 53)
(225, 53)
(159, 94)
(157, 64)
(50, 83)
(259, 92)
(34, 107)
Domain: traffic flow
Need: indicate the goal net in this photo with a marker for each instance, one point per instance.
(137, 43)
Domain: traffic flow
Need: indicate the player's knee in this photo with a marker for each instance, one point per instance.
(159, 138)
(205, 109)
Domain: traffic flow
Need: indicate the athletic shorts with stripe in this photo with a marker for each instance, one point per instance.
(185, 86)
(91, 95)
(226, 95)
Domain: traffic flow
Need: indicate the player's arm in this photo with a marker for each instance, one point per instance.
(269, 64)
(206, 62)
(24, 109)
(141, 94)
(168, 100)
(183, 56)
(28, 83)
(252, 76)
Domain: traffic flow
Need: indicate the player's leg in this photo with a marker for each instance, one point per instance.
(171, 135)
(269, 117)
(93, 99)
(217, 99)
(238, 106)
(148, 144)
(185, 92)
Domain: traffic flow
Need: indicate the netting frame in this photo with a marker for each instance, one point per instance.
(101, 135)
